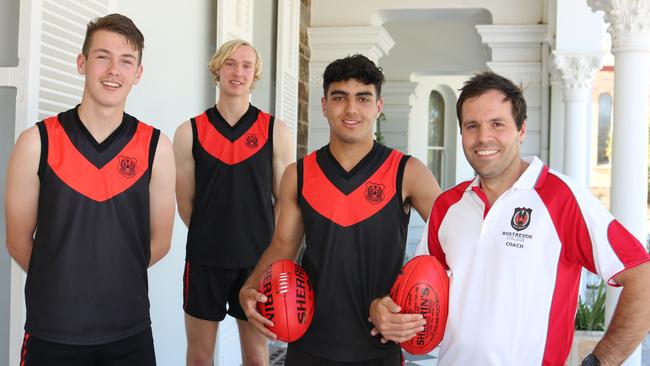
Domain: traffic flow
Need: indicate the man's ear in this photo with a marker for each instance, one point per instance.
(522, 132)
(81, 64)
(380, 106)
(138, 74)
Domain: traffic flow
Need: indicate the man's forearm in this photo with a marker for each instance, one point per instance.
(21, 254)
(629, 326)
(185, 212)
(158, 251)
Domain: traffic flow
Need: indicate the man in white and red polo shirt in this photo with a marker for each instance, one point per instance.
(515, 239)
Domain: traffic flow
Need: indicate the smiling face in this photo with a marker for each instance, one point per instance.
(110, 69)
(351, 107)
(490, 137)
(237, 72)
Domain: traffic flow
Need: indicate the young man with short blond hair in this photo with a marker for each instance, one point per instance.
(229, 160)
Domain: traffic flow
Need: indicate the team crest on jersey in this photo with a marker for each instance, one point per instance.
(127, 166)
(521, 218)
(251, 141)
(374, 192)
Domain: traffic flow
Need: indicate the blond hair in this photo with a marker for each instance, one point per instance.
(225, 51)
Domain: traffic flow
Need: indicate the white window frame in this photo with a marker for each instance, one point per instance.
(443, 148)
(288, 64)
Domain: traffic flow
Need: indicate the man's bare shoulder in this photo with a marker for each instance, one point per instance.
(184, 129)
(183, 138)
(28, 144)
(415, 168)
(290, 172)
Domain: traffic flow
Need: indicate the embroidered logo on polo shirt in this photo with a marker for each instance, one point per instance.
(127, 166)
(251, 141)
(521, 218)
(374, 192)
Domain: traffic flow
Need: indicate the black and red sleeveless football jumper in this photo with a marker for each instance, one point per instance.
(355, 232)
(87, 277)
(232, 219)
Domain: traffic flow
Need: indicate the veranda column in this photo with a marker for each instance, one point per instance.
(328, 44)
(556, 122)
(397, 110)
(629, 27)
(576, 75)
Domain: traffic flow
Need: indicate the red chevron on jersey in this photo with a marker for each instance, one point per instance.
(99, 184)
(365, 201)
(236, 151)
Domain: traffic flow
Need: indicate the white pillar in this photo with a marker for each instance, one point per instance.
(397, 110)
(576, 75)
(234, 20)
(517, 54)
(629, 27)
(327, 44)
(556, 125)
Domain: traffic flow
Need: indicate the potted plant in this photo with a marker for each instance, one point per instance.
(589, 323)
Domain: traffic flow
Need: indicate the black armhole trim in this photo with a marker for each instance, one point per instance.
(42, 131)
(270, 138)
(398, 185)
(195, 138)
(153, 145)
(270, 142)
(299, 177)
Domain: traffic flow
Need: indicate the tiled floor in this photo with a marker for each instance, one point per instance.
(430, 359)
(277, 353)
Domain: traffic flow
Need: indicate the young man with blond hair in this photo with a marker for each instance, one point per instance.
(229, 160)
(89, 206)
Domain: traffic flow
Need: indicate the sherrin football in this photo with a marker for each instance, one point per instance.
(422, 287)
(290, 304)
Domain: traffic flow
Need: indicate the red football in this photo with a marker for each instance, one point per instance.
(422, 287)
(290, 304)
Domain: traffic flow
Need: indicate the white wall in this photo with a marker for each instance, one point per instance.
(360, 12)
(418, 50)
(8, 58)
(588, 37)
(180, 37)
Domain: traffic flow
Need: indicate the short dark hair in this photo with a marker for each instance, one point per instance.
(116, 23)
(485, 81)
(357, 67)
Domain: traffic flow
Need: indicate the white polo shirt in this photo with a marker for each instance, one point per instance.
(515, 267)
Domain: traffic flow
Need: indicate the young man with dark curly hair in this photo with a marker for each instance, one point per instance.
(351, 199)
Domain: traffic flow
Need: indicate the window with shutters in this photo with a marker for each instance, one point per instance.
(62, 33)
